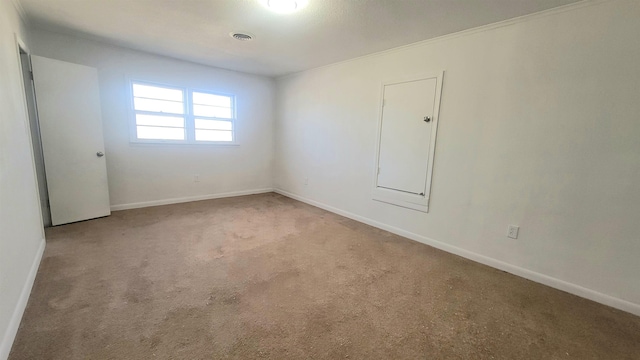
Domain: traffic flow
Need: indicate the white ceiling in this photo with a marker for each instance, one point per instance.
(324, 32)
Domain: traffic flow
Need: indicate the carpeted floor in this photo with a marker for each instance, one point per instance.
(265, 276)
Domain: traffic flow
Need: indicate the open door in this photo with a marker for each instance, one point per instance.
(68, 103)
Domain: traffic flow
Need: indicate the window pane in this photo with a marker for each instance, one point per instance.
(156, 92)
(155, 120)
(158, 106)
(212, 111)
(213, 124)
(213, 135)
(211, 99)
(160, 133)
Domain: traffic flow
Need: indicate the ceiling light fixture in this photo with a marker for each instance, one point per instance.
(241, 36)
(285, 6)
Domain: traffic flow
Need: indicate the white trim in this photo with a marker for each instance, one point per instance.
(20, 9)
(475, 30)
(20, 44)
(188, 199)
(16, 318)
(571, 288)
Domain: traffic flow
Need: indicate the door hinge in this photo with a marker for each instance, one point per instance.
(31, 74)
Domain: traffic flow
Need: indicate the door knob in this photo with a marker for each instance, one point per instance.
(427, 119)
(99, 154)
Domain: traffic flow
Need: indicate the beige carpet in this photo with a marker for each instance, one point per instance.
(265, 276)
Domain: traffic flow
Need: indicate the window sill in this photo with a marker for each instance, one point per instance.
(402, 199)
(187, 144)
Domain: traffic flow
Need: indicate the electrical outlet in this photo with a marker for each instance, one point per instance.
(196, 178)
(512, 232)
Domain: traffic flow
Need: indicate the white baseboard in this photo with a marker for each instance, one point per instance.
(14, 323)
(527, 274)
(188, 199)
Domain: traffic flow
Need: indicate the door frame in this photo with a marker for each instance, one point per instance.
(21, 45)
(395, 197)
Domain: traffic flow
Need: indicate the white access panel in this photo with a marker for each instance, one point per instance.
(406, 145)
(405, 135)
(68, 103)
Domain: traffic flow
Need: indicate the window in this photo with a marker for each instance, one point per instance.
(176, 115)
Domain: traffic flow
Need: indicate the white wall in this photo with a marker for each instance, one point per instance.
(539, 127)
(21, 235)
(151, 173)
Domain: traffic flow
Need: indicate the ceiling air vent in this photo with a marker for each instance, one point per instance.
(241, 36)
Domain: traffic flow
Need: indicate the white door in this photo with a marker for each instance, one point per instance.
(405, 137)
(68, 103)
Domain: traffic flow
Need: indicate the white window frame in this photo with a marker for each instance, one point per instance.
(188, 115)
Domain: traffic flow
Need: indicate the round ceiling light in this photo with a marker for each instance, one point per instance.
(285, 6)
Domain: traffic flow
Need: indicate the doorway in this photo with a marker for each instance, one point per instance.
(36, 140)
